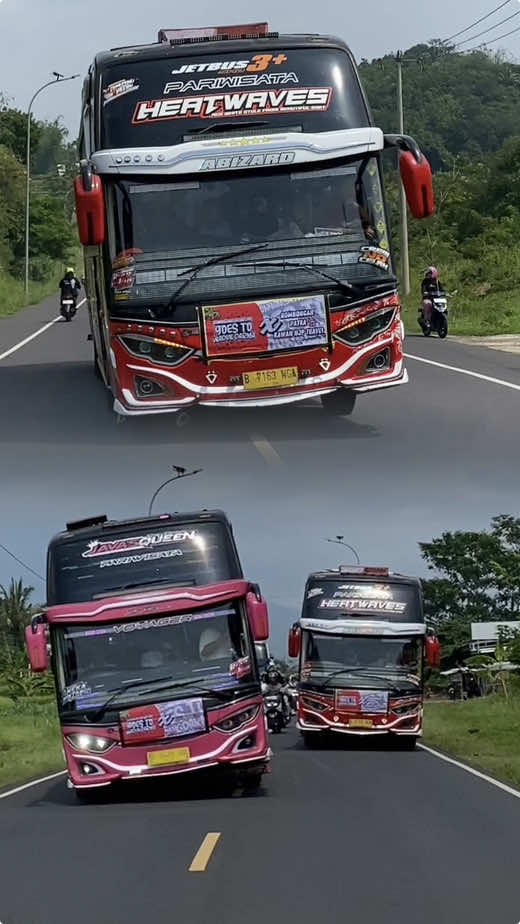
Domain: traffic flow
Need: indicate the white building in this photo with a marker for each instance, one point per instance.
(484, 635)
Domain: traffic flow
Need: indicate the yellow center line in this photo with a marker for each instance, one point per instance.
(266, 450)
(203, 855)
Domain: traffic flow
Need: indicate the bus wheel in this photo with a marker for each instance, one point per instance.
(252, 782)
(89, 796)
(310, 739)
(407, 743)
(340, 402)
(97, 371)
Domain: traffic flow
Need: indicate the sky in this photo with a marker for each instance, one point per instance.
(38, 37)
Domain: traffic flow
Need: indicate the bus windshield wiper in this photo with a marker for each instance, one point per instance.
(99, 713)
(166, 683)
(228, 126)
(137, 585)
(352, 670)
(290, 264)
(221, 258)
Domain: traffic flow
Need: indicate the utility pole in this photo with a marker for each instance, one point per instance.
(405, 261)
(58, 78)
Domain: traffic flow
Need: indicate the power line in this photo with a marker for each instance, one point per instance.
(496, 39)
(489, 29)
(477, 21)
(22, 563)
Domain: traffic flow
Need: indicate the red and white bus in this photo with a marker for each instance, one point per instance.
(150, 632)
(231, 206)
(362, 645)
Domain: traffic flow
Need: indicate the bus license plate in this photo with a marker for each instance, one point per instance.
(165, 758)
(270, 378)
(361, 723)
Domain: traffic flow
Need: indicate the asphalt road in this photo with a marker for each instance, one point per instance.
(359, 835)
(440, 453)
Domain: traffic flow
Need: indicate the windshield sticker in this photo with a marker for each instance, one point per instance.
(161, 622)
(241, 161)
(254, 65)
(123, 280)
(230, 83)
(358, 603)
(229, 105)
(266, 326)
(375, 256)
(74, 691)
(373, 702)
(118, 89)
(314, 592)
(97, 547)
(175, 719)
(240, 668)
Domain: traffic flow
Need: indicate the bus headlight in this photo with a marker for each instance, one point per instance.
(232, 722)
(93, 743)
(155, 349)
(363, 329)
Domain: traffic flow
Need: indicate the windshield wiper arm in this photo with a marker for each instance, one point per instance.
(122, 689)
(228, 126)
(290, 264)
(221, 258)
(352, 670)
(166, 683)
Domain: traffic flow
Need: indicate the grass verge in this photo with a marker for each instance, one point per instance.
(481, 732)
(30, 743)
(12, 293)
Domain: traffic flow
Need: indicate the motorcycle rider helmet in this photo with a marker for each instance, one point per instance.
(433, 273)
(70, 269)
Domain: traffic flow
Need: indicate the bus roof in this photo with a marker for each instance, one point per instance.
(160, 50)
(366, 573)
(92, 526)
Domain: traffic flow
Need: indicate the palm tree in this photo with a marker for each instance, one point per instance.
(16, 612)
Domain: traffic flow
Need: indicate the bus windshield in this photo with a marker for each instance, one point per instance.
(373, 662)
(331, 217)
(81, 570)
(207, 648)
(171, 99)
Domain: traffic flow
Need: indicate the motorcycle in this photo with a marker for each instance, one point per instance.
(68, 307)
(274, 711)
(439, 317)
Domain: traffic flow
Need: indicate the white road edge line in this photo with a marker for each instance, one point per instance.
(468, 769)
(41, 330)
(42, 779)
(474, 375)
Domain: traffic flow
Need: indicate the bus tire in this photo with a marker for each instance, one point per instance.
(310, 739)
(407, 742)
(89, 796)
(340, 402)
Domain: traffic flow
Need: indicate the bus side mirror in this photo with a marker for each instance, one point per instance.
(294, 642)
(90, 208)
(258, 618)
(36, 643)
(418, 184)
(433, 651)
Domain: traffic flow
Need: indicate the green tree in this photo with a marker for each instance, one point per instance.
(16, 612)
(478, 579)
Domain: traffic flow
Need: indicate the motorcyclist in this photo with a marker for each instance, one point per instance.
(431, 287)
(70, 285)
(273, 684)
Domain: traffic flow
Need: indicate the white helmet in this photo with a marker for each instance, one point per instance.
(212, 645)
